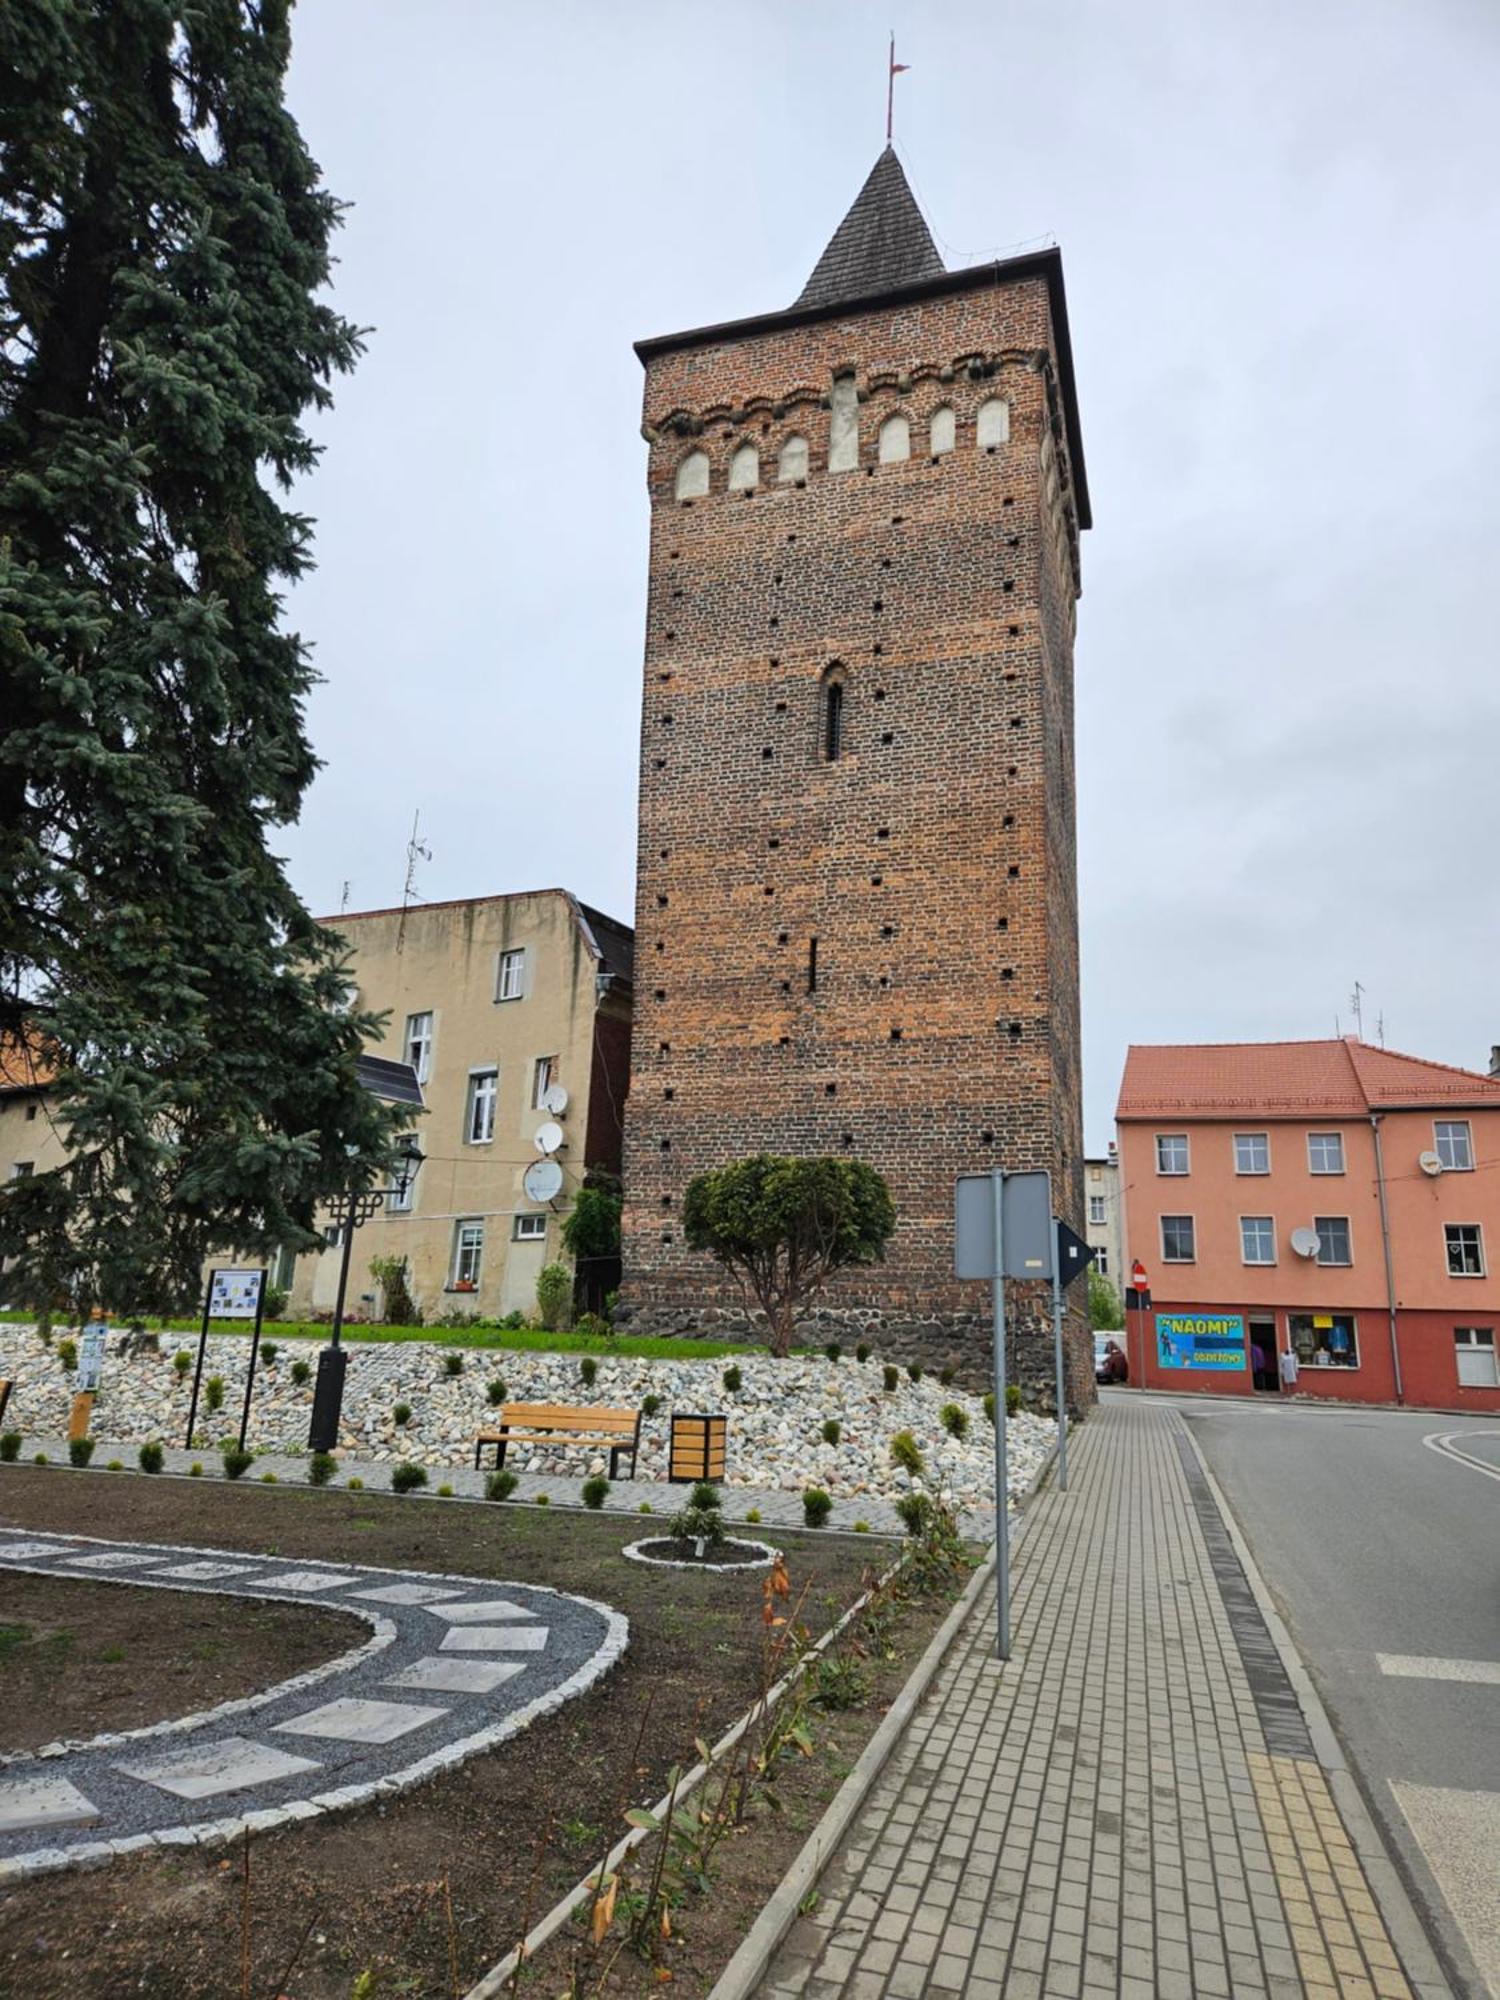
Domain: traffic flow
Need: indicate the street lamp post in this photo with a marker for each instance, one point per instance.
(350, 1212)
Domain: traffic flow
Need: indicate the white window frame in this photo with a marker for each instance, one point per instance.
(1444, 1130)
(1335, 1263)
(1338, 1140)
(401, 1193)
(1265, 1238)
(1476, 1344)
(478, 1097)
(1172, 1139)
(542, 1070)
(468, 1246)
(1098, 1215)
(528, 1234)
(419, 1039)
(1101, 1259)
(510, 975)
(1192, 1223)
(1449, 1246)
(1261, 1139)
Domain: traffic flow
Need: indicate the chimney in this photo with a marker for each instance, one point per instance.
(1495, 1059)
(1114, 1151)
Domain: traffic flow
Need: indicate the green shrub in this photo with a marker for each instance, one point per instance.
(906, 1455)
(453, 1362)
(10, 1447)
(753, 1517)
(182, 1361)
(833, 1351)
(495, 1391)
(321, 1467)
(862, 1352)
(948, 1376)
(816, 1506)
(733, 1377)
(151, 1457)
(41, 1459)
(700, 1520)
(195, 1470)
(268, 1352)
(593, 1326)
(356, 1484)
(839, 1681)
(989, 1405)
(301, 1372)
(406, 1477)
(833, 1430)
(913, 1511)
(645, 1508)
(402, 1413)
(954, 1420)
(588, 1371)
(276, 1297)
(268, 1479)
(544, 1499)
(650, 1405)
(1013, 1399)
(67, 1353)
(500, 1485)
(861, 1527)
(445, 1492)
(236, 1462)
(891, 1377)
(80, 1450)
(554, 1297)
(115, 1465)
(595, 1490)
(395, 1294)
(914, 1370)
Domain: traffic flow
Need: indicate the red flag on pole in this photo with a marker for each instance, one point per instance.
(896, 69)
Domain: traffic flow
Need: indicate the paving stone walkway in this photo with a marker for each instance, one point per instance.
(452, 1666)
(1131, 1807)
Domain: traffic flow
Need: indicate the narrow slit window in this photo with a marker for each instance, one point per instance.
(833, 721)
(812, 965)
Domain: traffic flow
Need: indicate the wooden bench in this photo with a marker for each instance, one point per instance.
(558, 1423)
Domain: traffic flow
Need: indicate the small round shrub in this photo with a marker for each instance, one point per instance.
(833, 1351)
(650, 1405)
(67, 1354)
(733, 1377)
(301, 1372)
(80, 1450)
(704, 1494)
(10, 1447)
(891, 1376)
(182, 1361)
(402, 1413)
(115, 1465)
(989, 1405)
(321, 1467)
(954, 1420)
(1013, 1399)
(495, 1391)
(914, 1370)
(195, 1470)
(40, 1459)
(595, 1490)
(151, 1457)
(213, 1393)
(236, 1462)
(445, 1492)
(588, 1371)
(356, 1484)
(268, 1479)
(453, 1363)
(948, 1376)
(861, 1527)
(862, 1352)
(544, 1499)
(268, 1352)
(906, 1455)
(833, 1430)
(500, 1485)
(912, 1511)
(753, 1517)
(406, 1477)
(645, 1508)
(816, 1506)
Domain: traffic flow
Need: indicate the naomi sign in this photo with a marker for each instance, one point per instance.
(1200, 1340)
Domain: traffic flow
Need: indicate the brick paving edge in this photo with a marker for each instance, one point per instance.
(744, 1972)
(1407, 1931)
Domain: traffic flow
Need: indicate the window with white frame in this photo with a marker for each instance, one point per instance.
(1455, 1144)
(1325, 1152)
(1101, 1259)
(530, 1228)
(398, 1196)
(1178, 1240)
(510, 976)
(1258, 1239)
(1096, 1210)
(1252, 1153)
(1474, 1353)
(1333, 1239)
(541, 1080)
(479, 1114)
(468, 1252)
(419, 1044)
(1465, 1246)
(1171, 1153)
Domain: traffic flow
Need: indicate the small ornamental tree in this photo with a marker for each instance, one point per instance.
(591, 1229)
(1105, 1315)
(783, 1226)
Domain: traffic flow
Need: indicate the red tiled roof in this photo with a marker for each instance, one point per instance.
(25, 1063)
(1330, 1079)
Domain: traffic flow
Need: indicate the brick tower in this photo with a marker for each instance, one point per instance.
(857, 908)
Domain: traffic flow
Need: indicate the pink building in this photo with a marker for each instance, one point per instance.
(1328, 1198)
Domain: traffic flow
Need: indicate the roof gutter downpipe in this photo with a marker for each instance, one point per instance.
(1385, 1240)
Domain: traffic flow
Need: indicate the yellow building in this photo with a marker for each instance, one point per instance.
(30, 1143)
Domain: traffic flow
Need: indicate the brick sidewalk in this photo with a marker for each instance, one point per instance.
(1131, 1807)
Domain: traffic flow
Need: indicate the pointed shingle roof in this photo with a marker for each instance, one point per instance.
(881, 244)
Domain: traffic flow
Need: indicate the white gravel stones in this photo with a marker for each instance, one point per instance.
(776, 1416)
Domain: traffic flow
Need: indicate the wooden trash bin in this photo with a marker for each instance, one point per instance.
(699, 1448)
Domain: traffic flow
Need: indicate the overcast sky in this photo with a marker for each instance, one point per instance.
(1279, 232)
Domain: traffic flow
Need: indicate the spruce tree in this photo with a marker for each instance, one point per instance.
(164, 239)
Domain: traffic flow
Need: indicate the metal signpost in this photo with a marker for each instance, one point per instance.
(1003, 1229)
(231, 1295)
(1073, 1258)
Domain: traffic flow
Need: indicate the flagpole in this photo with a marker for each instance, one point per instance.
(890, 90)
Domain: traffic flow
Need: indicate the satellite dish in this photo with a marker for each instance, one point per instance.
(1430, 1164)
(555, 1099)
(1305, 1242)
(549, 1136)
(542, 1180)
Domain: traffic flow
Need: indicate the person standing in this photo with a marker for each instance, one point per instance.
(1287, 1367)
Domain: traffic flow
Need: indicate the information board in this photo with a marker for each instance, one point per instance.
(234, 1294)
(91, 1357)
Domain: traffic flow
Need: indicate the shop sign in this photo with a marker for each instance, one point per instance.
(1200, 1340)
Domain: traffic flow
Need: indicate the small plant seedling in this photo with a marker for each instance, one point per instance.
(989, 1405)
(445, 1492)
(650, 1405)
(453, 1364)
(195, 1470)
(834, 1351)
(151, 1457)
(753, 1517)
(588, 1371)
(816, 1506)
(544, 1499)
(321, 1467)
(402, 1413)
(862, 1352)
(891, 1377)
(906, 1455)
(80, 1451)
(914, 1370)
(861, 1527)
(301, 1372)
(947, 1376)
(912, 1511)
(406, 1477)
(213, 1393)
(1013, 1399)
(356, 1484)
(833, 1430)
(595, 1491)
(645, 1508)
(954, 1419)
(67, 1354)
(10, 1447)
(495, 1391)
(268, 1479)
(733, 1377)
(500, 1485)
(268, 1352)
(40, 1459)
(182, 1361)
(115, 1465)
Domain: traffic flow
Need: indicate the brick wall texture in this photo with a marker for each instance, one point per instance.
(933, 861)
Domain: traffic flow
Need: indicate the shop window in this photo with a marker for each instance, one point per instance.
(1171, 1153)
(530, 1228)
(468, 1253)
(1096, 1210)
(1252, 1153)
(1474, 1353)
(1465, 1249)
(1324, 1340)
(1455, 1144)
(1333, 1239)
(1178, 1244)
(1258, 1239)
(1325, 1152)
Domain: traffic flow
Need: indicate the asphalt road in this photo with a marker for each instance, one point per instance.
(1383, 1556)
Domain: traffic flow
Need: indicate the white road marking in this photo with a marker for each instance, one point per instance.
(352, 1720)
(1442, 1442)
(201, 1771)
(1419, 1667)
(1459, 1832)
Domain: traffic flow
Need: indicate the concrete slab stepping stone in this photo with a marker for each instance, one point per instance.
(297, 1580)
(495, 1639)
(405, 1593)
(477, 1612)
(443, 1676)
(361, 1721)
(204, 1770)
(201, 1572)
(36, 1800)
(116, 1559)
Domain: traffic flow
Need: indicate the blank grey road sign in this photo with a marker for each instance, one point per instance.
(1026, 1223)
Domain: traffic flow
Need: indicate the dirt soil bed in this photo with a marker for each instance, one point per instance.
(502, 1837)
(78, 1657)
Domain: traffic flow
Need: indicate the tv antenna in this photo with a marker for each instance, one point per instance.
(344, 898)
(416, 850)
(1357, 1002)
